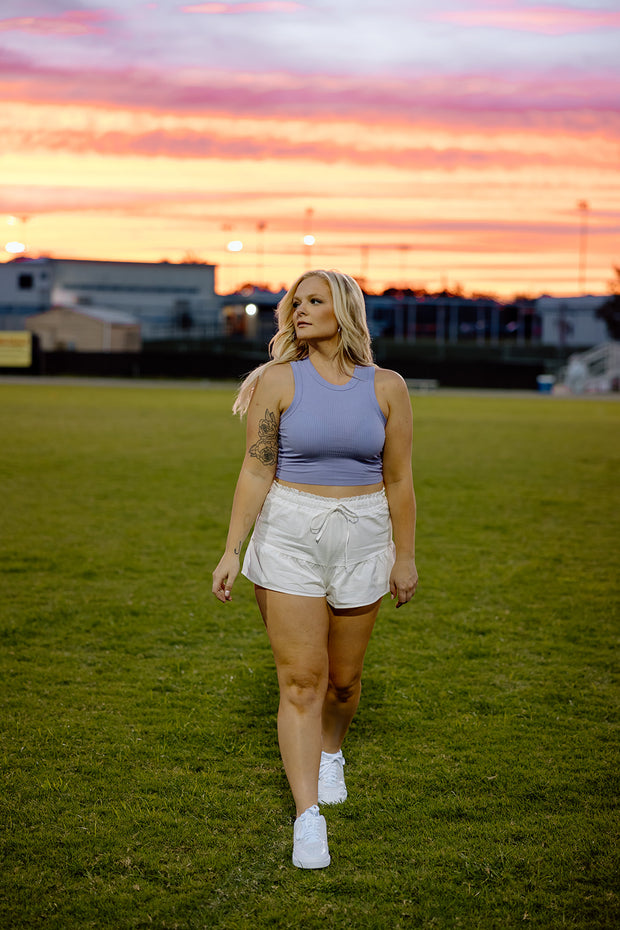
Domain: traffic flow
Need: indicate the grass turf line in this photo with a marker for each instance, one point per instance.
(142, 785)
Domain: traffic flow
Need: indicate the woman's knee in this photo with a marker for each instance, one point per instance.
(345, 688)
(304, 688)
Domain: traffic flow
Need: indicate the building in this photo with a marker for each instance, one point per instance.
(572, 321)
(407, 316)
(82, 329)
(250, 313)
(25, 288)
(178, 303)
(166, 299)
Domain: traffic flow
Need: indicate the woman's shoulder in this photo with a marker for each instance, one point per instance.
(278, 373)
(389, 380)
(278, 382)
(391, 389)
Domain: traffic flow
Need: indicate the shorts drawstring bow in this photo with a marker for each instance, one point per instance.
(318, 525)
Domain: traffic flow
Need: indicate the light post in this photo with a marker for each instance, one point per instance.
(235, 245)
(251, 320)
(583, 208)
(309, 239)
(364, 262)
(403, 249)
(16, 246)
(260, 252)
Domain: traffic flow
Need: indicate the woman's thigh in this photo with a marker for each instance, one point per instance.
(349, 634)
(298, 628)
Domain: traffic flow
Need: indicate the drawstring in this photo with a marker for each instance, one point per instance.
(318, 525)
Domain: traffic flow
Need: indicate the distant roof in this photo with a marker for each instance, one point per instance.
(103, 314)
(582, 302)
(249, 292)
(110, 262)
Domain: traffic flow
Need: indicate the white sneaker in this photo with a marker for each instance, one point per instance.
(310, 850)
(332, 789)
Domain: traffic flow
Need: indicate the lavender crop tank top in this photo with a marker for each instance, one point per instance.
(332, 434)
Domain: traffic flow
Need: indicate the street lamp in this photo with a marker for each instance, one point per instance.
(403, 265)
(15, 248)
(309, 239)
(583, 208)
(260, 252)
(363, 262)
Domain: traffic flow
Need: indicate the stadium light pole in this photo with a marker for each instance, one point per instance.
(403, 249)
(583, 208)
(309, 239)
(260, 252)
(364, 262)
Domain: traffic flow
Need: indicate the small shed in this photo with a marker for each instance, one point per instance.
(82, 329)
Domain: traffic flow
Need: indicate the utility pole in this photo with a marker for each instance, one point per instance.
(583, 208)
(403, 265)
(364, 262)
(260, 250)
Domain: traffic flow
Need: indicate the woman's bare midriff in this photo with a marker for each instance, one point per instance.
(325, 490)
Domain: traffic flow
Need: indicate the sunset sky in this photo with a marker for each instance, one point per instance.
(422, 143)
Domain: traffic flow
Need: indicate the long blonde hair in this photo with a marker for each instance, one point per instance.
(350, 312)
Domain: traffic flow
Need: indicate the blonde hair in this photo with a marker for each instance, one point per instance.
(350, 312)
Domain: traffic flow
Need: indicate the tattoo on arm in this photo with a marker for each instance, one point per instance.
(237, 549)
(265, 449)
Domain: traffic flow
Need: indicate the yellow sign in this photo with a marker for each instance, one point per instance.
(15, 349)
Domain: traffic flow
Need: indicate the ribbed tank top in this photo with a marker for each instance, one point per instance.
(332, 434)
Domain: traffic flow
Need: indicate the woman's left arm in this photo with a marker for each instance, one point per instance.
(394, 399)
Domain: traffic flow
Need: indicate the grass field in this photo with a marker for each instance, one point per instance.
(142, 785)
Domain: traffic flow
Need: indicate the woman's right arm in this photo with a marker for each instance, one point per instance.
(256, 476)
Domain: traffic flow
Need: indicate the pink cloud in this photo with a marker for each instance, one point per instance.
(189, 144)
(70, 23)
(264, 7)
(564, 100)
(549, 20)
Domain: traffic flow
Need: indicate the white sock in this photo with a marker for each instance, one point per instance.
(310, 810)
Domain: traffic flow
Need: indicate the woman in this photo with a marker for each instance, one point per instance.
(327, 479)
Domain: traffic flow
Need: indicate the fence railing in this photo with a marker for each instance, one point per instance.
(594, 371)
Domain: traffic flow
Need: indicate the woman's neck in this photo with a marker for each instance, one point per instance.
(328, 365)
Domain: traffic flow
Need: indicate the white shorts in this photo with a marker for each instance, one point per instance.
(337, 548)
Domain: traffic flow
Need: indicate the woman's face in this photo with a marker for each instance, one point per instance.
(313, 310)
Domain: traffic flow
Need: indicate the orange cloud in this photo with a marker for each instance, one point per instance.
(70, 23)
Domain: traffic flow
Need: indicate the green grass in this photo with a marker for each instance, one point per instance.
(141, 779)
